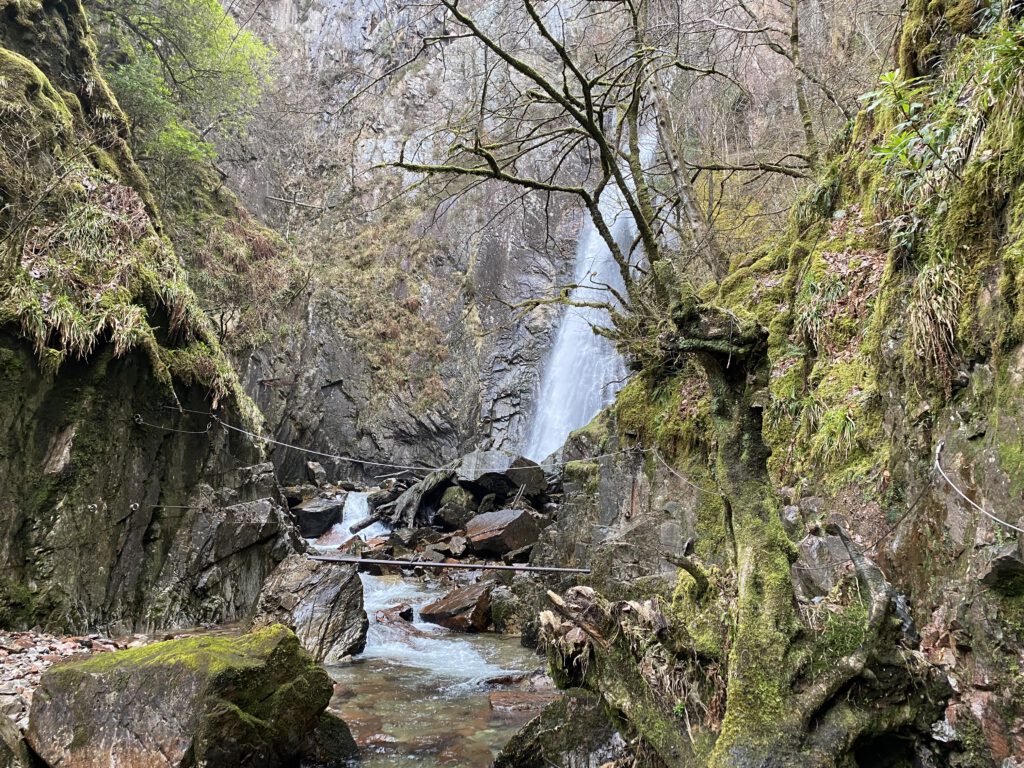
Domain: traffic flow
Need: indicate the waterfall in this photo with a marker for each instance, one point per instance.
(583, 371)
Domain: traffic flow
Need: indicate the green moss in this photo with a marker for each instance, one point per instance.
(18, 604)
(91, 268)
(702, 623)
(586, 474)
(595, 434)
(210, 653)
(674, 414)
(843, 633)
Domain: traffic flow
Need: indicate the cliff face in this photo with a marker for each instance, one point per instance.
(406, 346)
(114, 509)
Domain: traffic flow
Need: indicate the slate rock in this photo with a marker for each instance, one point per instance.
(316, 473)
(505, 530)
(821, 563)
(501, 473)
(1005, 571)
(321, 602)
(13, 752)
(466, 609)
(316, 517)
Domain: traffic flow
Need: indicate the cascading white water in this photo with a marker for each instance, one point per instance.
(432, 648)
(584, 371)
(416, 697)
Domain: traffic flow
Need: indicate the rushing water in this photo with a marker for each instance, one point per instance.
(583, 370)
(419, 698)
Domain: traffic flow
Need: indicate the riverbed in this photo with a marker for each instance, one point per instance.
(422, 697)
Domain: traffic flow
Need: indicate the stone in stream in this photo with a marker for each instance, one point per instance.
(521, 701)
(321, 602)
(400, 612)
(571, 731)
(503, 531)
(467, 609)
(329, 744)
(213, 700)
(457, 507)
(501, 473)
(316, 517)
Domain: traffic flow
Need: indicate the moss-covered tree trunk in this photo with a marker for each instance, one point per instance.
(735, 361)
(758, 682)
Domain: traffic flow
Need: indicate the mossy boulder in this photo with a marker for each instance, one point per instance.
(221, 700)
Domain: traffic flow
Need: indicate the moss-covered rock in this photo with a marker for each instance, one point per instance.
(209, 700)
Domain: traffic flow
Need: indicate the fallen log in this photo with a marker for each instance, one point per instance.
(363, 524)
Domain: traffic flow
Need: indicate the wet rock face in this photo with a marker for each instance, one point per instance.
(315, 517)
(502, 532)
(105, 521)
(248, 700)
(321, 602)
(467, 609)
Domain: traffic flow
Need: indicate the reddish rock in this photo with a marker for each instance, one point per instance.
(467, 609)
(521, 701)
(503, 531)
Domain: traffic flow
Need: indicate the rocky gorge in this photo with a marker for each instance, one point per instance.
(295, 296)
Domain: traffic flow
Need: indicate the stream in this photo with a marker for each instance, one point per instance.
(421, 699)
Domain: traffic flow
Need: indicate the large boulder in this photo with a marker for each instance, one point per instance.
(321, 602)
(501, 473)
(216, 566)
(467, 609)
(505, 530)
(315, 517)
(211, 700)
